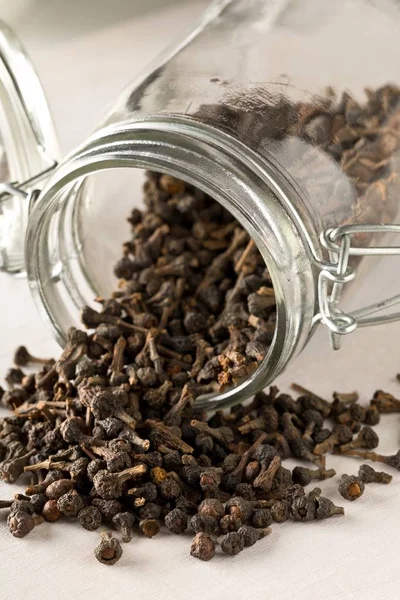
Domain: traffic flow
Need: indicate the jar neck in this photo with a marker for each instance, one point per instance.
(223, 168)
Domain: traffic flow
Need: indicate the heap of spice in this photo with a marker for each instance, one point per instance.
(110, 433)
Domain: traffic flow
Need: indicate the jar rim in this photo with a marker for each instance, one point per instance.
(232, 174)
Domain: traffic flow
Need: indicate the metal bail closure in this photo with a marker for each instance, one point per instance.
(333, 276)
(28, 147)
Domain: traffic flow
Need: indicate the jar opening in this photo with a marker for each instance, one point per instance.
(72, 210)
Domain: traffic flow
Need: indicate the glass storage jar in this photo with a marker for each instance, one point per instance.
(285, 111)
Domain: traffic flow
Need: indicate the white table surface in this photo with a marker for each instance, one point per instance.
(81, 51)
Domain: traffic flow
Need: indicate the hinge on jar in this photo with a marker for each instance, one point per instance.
(335, 275)
(13, 188)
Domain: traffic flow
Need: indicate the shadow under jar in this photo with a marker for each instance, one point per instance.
(285, 112)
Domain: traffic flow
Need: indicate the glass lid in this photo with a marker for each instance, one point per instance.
(28, 146)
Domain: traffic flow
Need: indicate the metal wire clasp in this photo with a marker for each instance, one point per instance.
(17, 199)
(8, 189)
(335, 275)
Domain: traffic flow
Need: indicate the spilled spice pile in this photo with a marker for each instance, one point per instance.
(110, 433)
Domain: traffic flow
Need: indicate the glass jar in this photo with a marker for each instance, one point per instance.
(286, 112)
